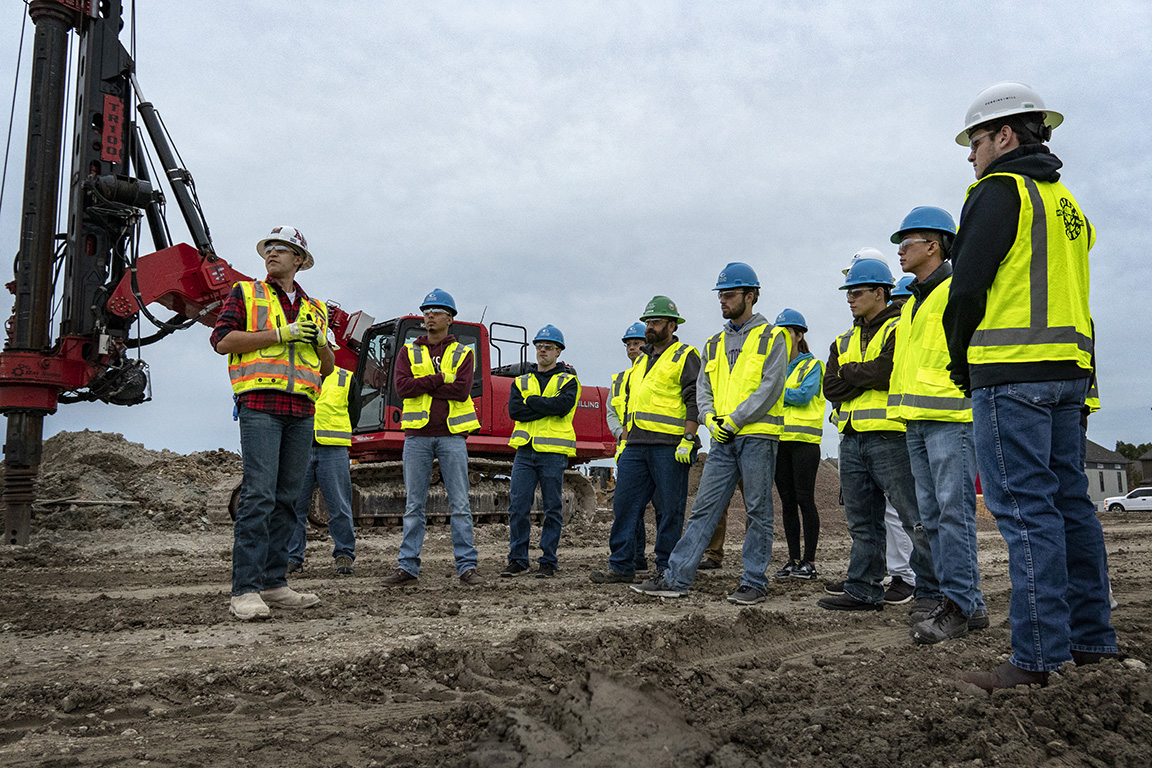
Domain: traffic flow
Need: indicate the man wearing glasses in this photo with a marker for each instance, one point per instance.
(1020, 339)
(276, 339)
(434, 376)
(873, 454)
(938, 418)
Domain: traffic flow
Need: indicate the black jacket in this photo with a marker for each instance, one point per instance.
(988, 224)
(537, 406)
(842, 384)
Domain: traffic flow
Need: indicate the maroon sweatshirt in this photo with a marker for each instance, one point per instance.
(409, 386)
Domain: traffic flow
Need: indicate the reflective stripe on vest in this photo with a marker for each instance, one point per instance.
(805, 423)
(920, 388)
(549, 434)
(1038, 304)
(732, 385)
(867, 412)
(293, 368)
(655, 397)
(416, 411)
(620, 390)
(333, 425)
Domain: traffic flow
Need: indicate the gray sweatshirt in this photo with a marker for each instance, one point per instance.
(772, 380)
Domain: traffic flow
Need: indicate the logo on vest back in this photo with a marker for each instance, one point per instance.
(1073, 223)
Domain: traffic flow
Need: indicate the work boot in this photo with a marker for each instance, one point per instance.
(286, 597)
(344, 566)
(658, 587)
(295, 566)
(1087, 657)
(846, 602)
(547, 571)
(979, 620)
(248, 606)
(708, 564)
(611, 577)
(470, 578)
(947, 624)
(835, 588)
(401, 578)
(513, 569)
(924, 608)
(1007, 675)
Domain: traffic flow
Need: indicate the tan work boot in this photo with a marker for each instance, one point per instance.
(248, 606)
(286, 597)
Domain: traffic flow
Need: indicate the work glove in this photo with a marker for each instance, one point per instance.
(684, 450)
(303, 330)
(448, 377)
(719, 428)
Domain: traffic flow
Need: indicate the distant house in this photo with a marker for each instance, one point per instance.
(1107, 472)
(1146, 466)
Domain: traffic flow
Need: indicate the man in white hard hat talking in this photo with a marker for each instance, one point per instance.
(276, 339)
(1020, 340)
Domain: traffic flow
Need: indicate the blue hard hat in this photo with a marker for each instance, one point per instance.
(635, 331)
(550, 333)
(901, 288)
(868, 272)
(439, 299)
(926, 218)
(790, 317)
(737, 275)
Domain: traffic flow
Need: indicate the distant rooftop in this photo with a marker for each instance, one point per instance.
(1100, 455)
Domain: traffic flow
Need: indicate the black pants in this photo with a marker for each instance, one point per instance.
(796, 465)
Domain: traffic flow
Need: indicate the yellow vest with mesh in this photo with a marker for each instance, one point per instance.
(867, 412)
(804, 423)
(550, 434)
(293, 368)
(416, 410)
(920, 388)
(733, 385)
(1038, 304)
(655, 398)
(333, 425)
(619, 401)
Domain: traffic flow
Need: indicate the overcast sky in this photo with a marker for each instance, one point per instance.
(562, 162)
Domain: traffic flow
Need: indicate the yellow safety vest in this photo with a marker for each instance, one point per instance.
(417, 410)
(293, 368)
(732, 386)
(867, 412)
(1093, 398)
(920, 388)
(619, 401)
(550, 434)
(804, 423)
(1038, 304)
(333, 425)
(655, 398)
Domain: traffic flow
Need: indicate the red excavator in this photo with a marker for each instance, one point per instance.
(104, 287)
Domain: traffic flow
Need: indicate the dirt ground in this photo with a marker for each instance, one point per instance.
(117, 649)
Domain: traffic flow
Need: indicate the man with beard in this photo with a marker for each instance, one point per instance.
(740, 394)
(660, 423)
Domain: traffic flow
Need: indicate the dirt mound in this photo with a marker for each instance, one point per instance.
(90, 480)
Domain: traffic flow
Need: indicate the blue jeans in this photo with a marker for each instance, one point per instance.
(452, 451)
(754, 460)
(328, 468)
(1030, 447)
(943, 459)
(643, 472)
(529, 469)
(275, 452)
(872, 465)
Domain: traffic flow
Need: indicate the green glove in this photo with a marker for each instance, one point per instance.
(684, 450)
(448, 377)
(719, 428)
(304, 330)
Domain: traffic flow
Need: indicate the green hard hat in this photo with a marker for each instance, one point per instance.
(661, 306)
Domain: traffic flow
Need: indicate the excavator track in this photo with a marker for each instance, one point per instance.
(378, 495)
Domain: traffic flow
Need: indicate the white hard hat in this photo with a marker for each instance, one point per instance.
(289, 235)
(1001, 100)
(864, 253)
